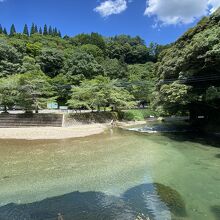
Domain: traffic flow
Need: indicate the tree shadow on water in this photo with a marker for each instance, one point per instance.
(195, 137)
(217, 156)
(140, 202)
(216, 211)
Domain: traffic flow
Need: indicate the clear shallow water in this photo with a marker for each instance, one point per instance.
(116, 175)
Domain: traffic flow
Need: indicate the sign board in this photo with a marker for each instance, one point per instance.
(52, 105)
(63, 107)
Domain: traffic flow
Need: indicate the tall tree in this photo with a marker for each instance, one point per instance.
(51, 61)
(35, 91)
(35, 29)
(25, 31)
(8, 91)
(1, 29)
(5, 31)
(40, 31)
(55, 33)
(32, 29)
(59, 34)
(12, 30)
(10, 59)
(100, 92)
(50, 31)
(45, 30)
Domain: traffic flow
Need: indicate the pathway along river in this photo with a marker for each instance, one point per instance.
(119, 175)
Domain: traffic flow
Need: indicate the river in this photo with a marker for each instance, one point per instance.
(115, 175)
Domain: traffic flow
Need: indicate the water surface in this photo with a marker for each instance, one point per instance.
(115, 175)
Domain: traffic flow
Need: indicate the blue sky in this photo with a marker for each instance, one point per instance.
(161, 21)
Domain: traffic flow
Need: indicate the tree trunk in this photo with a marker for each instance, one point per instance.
(5, 109)
(36, 109)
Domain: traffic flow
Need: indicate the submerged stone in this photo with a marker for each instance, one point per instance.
(172, 199)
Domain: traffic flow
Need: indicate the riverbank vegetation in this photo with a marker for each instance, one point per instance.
(90, 71)
(87, 71)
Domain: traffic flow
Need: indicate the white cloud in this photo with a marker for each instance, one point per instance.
(168, 12)
(214, 4)
(110, 7)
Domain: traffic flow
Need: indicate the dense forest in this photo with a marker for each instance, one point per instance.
(86, 71)
(189, 72)
(89, 71)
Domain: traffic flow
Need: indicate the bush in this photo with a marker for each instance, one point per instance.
(137, 114)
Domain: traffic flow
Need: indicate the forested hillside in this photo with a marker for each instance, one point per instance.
(189, 72)
(85, 71)
(89, 71)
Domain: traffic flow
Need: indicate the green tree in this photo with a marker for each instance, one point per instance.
(35, 91)
(59, 34)
(193, 60)
(5, 31)
(93, 50)
(51, 61)
(141, 81)
(8, 91)
(50, 31)
(32, 29)
(45, 32)
(40, 31)
(173, 98)
(10, 59)
(115, 69)
(35, 29)
(12, 30)
(100, 92)
(1, 29)
(62, 88)
(81, 65)
(25, 31)
(33, 49)
(29, 65)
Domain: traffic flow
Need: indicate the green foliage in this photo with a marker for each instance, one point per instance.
(100, 91)
(1, 29)
(86, 57)
(92, 49)
(81, 65)
(51, 61)
(12, 30)
(29, 65)
(137, 114)
(114, 68)
(32, 29)
(45, 32)
(35, 91)
(142, 81)
(93, 38)
(212, 96)
(194, 60)
(8, 91)
(33, 49)
(173, 98)
(10, 59)
(26, 31)
(128, 49)
(62, 88)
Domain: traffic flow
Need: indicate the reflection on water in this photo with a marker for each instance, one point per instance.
(115, 175)
(147, 201)
(165, 127)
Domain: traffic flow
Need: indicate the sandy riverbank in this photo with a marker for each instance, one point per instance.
(50, 133)
(56, 133)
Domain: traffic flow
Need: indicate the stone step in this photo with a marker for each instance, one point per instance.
(24, 120)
